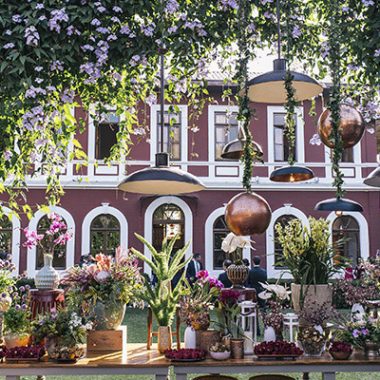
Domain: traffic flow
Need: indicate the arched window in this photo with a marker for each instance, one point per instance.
(104, 234)
(6, 229)
(168, 221)
(59, 259)
(346, 227)
(283, 220)
(220, 231)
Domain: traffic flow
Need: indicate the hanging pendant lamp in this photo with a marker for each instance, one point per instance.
(234, 149)
(270, 87)
(338, 205)
(161, 179)
(374, 178)
(291, 173)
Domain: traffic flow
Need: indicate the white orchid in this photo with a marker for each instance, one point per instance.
(231, 242)
(274, 291)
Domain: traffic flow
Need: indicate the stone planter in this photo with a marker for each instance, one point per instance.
(319, 294)
(16, 340)
(164, 338)
(238, 275)
(109, 316)
(47, 278)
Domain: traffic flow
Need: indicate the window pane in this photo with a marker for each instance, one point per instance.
(279, 119)
(172, 134)
(278, 153)
(221, 118)
(283, 220)
(278, 136)
(281, 144)
(220, 231)
(104, 234)
(105, 139)
(348, 155)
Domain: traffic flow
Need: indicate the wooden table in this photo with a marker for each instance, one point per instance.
(139, 361)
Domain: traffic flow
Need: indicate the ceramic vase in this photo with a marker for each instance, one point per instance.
(190, 337)
(237, 348)
(269, 334)
(164, 338)
(109, 316)
(47, 278)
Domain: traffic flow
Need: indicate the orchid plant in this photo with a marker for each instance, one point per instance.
(233, 245)
(56, 235)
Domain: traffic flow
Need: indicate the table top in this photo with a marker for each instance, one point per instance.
(137, 356)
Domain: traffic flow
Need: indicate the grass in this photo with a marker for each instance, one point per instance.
(136, 320)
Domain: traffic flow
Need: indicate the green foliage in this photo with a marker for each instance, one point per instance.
(17, 321)
(308, 254)
(161, 298)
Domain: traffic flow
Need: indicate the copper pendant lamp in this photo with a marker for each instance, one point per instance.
(291, 173)
(161, 179)
(234, 149)
(351, 126)
(270, 87)
(374, 178)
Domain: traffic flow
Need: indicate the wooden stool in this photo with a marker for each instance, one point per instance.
(151, 333)
(43, 301)
(271, 377)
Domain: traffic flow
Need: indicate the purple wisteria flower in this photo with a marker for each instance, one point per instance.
(101, 9)
(115, 19)
(377, 53)
(228, 4)
(345, 9)
(87, 47)
(95, 22)
(172, 29)
(148, 30)
(38, 80)
(38, 69)
(57, 16)
(8, 32)
(7, 155)
(368, 3)
(117, 9)
(34, 119)
(32, 92)
(40, 6)
(125, 29)
(17, 19)
(296, 32)
(355, 333)
(102, 30)
(151, 99)
(134, 60)
(67, 96)
(56, 66)
(263, 2)
(9, 45)
(72, 30)
(315, 140)
(32, 36)
(112, 37)
(171, 7)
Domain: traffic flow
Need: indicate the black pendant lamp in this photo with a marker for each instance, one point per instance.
(374, 178)
(234, 149)
(270, 88)
(338, 205)
(291, 173)
(161, 179)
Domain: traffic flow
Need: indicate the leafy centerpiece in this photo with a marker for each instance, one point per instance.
(104, 287)
(310, 258)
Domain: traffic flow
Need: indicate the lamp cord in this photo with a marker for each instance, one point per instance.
(162, 100)
(278, 29)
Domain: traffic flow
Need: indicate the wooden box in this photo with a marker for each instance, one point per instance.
(107, 340)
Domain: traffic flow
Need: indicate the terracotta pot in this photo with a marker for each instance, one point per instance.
(238, 275)
(319, 294)
(164, 340)
(16, 340)
(340, 355)
(237, 348)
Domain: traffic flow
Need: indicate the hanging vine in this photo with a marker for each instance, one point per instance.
(245, 112)
(334, 34)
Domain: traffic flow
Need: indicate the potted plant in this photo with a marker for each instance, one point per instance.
(220, 351)
(275, 295)
(160, 296)
(65, 334)
(104, 287)
(237, 272)
(228, 312)
(17, 325)
(340, 350)
(196, 304)
(55, 236)
(310, 258)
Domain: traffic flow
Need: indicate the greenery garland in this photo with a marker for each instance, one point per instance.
(334, 34)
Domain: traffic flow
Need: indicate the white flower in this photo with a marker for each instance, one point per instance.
(102, 276)
(278, 291)
(231, 242)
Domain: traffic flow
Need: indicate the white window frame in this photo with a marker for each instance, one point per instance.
(92, 142)
(105, 208)
(70, 245)
(16, 235)
(300, 144)
(212, 109)
(363, 231)
(184, 129)
(148, 225)
(287, 209)
(209, 242)
(357, 152)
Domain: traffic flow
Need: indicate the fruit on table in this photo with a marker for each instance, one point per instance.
(277, 348)
(340, 347)
(185, 354)
(25, 352)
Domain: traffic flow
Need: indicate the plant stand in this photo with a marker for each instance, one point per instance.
(151, 333)
(43, 301)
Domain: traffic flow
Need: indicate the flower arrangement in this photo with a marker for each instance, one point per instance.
(219, 347)
(107, 279)
(199, 299)
(356, 291)
(233, 245)
(308, 254)
(55, 235)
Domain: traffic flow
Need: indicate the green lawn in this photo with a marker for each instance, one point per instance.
(136, 319)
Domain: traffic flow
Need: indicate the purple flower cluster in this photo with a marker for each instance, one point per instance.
(32, 36)
(35, 118)
(171, 7)
(225, 5)
(356, 333)
(57, 17)
(56, 66)
(148, 30)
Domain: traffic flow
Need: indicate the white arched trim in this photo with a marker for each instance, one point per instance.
(70, 246)
(287, 209)
(148, 224)
(103, 209)
(363, 231)
(209, 242)
(16, 234)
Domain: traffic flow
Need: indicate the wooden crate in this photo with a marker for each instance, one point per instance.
(107, 340)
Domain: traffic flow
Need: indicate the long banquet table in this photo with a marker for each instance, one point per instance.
(139, 361)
